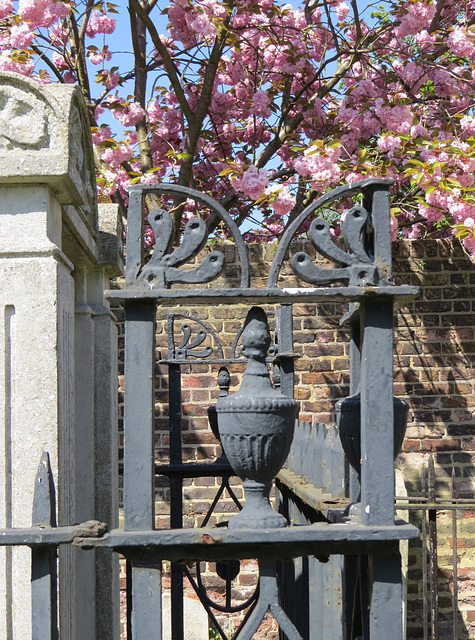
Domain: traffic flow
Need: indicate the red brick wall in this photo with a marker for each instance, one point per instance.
(433, 367)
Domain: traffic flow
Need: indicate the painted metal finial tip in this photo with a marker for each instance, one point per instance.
(44, 503)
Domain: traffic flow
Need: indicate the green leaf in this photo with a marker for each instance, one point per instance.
(226, 172)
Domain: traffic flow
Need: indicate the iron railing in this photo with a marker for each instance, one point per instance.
(433, 604)
(374, 535)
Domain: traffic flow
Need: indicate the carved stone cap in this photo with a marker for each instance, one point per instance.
(45, 138)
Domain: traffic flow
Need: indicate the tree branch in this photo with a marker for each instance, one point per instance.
(194, 130)
(79, 54)
(139, 44)
(288, 128)
(42, 55)
(166, 59)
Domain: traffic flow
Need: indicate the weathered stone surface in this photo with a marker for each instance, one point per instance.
(44, 138)
(196, 625)
(57, 348)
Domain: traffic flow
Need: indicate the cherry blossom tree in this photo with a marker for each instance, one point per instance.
(266, 105)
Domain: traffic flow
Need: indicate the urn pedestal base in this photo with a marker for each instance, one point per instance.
(257, 513)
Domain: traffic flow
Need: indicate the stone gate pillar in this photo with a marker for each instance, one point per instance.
(58, 380)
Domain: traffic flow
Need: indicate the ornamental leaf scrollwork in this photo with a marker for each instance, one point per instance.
(163, 267)
(359, 268)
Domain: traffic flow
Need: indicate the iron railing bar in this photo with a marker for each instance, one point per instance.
(195, 470)
(247, 616)
(206, 600)
(146, 608)
(434, 587)
(218, 495)
(424, 575)
(400, 294)
(233, 496)
(454, 560)
(434, 506)
(44, 605)
(41, 536)
(44, 576)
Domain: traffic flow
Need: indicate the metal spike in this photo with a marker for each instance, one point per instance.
(44, 502)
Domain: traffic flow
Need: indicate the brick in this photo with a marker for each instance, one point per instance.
(460, 429)
(445, 445)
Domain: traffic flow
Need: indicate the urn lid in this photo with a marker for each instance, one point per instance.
(256, 392)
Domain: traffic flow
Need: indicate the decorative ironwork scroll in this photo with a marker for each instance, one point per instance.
(359, 268)
(366, 230)
(163, 268)
(192, 339)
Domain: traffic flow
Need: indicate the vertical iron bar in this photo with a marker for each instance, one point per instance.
(139, 467)
(286, 347)
(352, 484)
(386, 595)
(381, 219)
(44, 614)
(425, 594)
(174, 378)
(176, 497)
(135, 225)
(146, 613)
(377, 413)
(454, 558)
(351, 574)
(139, 464)
(434, 586)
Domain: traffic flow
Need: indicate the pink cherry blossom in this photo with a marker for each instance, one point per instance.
(6, 7)
(114, 156)
(418, 16)
(460, 43)
(100, 23)
(101, 133)
(389, 143)
(260, 104)
(282, 200)
(98, 57)
(403, 107)
(21, 36)
(342, 10)
(252, 183)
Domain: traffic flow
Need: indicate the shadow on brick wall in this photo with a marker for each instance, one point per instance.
(434, 360)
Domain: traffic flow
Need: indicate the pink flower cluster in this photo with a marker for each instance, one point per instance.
(252, 183)
(320, 166)
(408, 98)
(100, 22)
(6, 7)
(127, 113)
(194, 22)
(41, 12)
(417, 16)
(389, 143)
(281, 199)
(460, 43)
(101, 133)
(115, 156)
(98, 57)
(261, 104)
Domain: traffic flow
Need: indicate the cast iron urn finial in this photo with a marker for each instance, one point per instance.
(348, 418)
(256, 425)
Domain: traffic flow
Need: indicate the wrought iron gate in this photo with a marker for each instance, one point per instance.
(363, 547)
